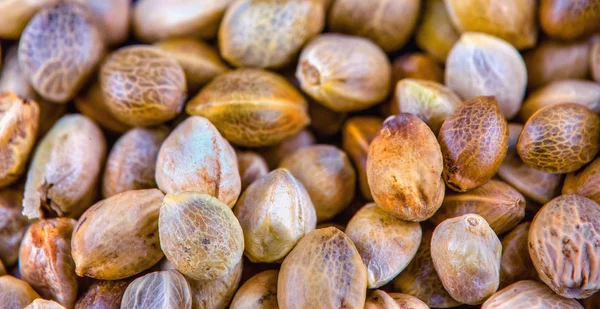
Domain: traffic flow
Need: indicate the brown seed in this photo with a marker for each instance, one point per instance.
(501, 205)
(474, 141)
(469, 66)
(59, 49)
(155, 20)
(45, 260)
(252, 167)
(131, 164)
(2, 269)
(195, 157)
(379, 299)
(275, 212)
(466, 254)
(274, 154)
(595, 58)
(259, 292)
(554, 61)
(129, 78)
(528, 294)
(385, 243)
(515, 264)
(91, 104)
(323, 121)
(200, 61)
(103, 294)
(583, 92)
(405, 301)
(12, 225)
(514, 131)
(17, 14)
(564, 244)
(19, 118)
(279, 29)
(44, 304)
(251, 107)
(511, 20)
(158, 290)
(404, 168)
(118, 237)
(63, 174)
(420, 279)
(592, 302)
(15, 293)
(436, 34)
(584, 182)
(569, 19)
(113, 17)
(560, 138)
(200, 235)
(430, 101)
(328, 176)
(357, 134)
(417, 66)
(324, 268)
(216, 294)
(325, 75)
(387, 23)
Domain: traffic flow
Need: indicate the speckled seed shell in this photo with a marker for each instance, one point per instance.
(91, 104)
(158, 290)
(430, 101)
(59, 49)
(327, 175)
(357, 134)
(466, 254)
(516, 264)
(379, 299)
(406, 301)
(404, 168)
(44, 304)
(216, 294)
(560, 138)
(259, 292)
(252, 167)
(200, 61)
(529, 294)
(555, 61)
(501, 205)
(195, 157)
(45, 260)
(579, 91)
(436, 34)
(131, 164)
(63, 175)
(420, 279)
(387, 23)
(142, 85)
(568, 19)
(118, 237)
(275, 212)
(417, 66)
(584, 182)
(324, 268)
(16, 293)
(564, 245)
(344, 73)
(279, 30)
(103, 294)
(511, 20)
(274, 154)
(12, 224)
(19, 118)
(200, 235)
(484, 65)
(251, 107)
(474, 141)
(17, 14)
(155, 20)
(385, 243)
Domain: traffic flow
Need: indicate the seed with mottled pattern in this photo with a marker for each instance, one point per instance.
(274, 154)
(564, 245)
(91, 104)
(200, 235)
(379, 299)
(216, 294)
(584, 182)
(142, 85)
(560, 138)
(103, 294)
(529, 294)
(259, 292)
(252, 167)
(158, 290)
(59, 49)
(325, 269)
